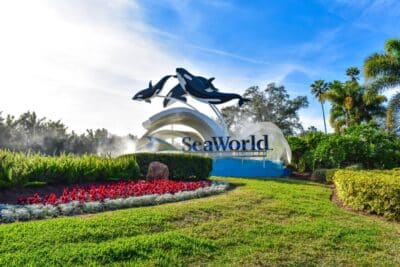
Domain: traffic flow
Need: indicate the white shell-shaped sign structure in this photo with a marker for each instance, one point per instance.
(280, 149)
(203, 126)
(259, 149)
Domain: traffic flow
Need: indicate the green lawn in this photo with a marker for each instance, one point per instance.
(260, 222)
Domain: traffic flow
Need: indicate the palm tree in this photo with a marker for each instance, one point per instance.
(341, 104)
(392, 124)
(382, 71)
(353, 73)
(351, 103)
(318, 89)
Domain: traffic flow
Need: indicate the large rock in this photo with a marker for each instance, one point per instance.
(156, 171)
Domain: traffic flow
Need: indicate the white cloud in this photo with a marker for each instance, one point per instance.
(81, 66)
(81, 62)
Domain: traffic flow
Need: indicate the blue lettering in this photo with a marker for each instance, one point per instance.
(186, 142)
(221, 143)
(237, 145)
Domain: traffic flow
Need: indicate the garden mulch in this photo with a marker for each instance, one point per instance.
(10, 195)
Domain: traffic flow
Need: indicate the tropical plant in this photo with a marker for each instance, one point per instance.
(318, 89)
(365, 145)
(382, 71)
(353, 73)
(392, 114)
(353, 104)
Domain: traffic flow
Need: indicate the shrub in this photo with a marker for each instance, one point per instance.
(303, 148)
(329, 174)
(323, 175)
(22, 169)
(35, 169)
(181, 166)
(377, 191)
(319, 175)
(365, 145)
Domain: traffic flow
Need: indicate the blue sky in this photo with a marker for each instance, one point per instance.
(296, 42)
(93, 54)
(319, 38)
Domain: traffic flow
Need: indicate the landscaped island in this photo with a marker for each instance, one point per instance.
(105, 183)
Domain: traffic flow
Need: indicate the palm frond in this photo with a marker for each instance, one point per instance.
(378, 65)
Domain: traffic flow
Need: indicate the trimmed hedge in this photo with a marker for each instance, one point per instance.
(376, 192)
(19, 169)
(181, 166)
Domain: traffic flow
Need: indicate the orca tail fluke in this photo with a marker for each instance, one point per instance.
(242, 101)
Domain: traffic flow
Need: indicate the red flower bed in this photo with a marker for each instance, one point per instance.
(121, 189)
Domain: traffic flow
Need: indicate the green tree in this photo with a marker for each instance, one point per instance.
(31, 133)
(392, 114)
(353, 104)
(318, 89)
(382, 71)
(271, 104)
(353, 73)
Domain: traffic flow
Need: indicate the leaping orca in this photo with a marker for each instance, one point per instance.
(151, 91)
(203, 89)
(175, 93)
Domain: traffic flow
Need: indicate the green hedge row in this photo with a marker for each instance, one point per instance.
(21, 169)
(376, 192)
(181, 166)
(18, 169)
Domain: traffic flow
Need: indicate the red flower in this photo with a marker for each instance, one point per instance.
(120, 189)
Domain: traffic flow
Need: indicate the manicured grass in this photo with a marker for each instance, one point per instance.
(260, 222)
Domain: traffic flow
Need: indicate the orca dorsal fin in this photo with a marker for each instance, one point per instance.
(211, 79)
(150, 85)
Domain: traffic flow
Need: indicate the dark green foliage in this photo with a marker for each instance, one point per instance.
(181, 166)
(319, 175)
(303, 148)
(365, 145)
(377, 192)
(323, 175)
(35, 169)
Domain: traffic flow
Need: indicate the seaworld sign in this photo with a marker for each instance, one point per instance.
(240, 155)
(225, 143)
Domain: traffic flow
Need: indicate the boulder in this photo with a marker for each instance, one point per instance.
(156, 171)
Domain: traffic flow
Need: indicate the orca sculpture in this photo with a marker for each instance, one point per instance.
(203, 90)
(176, 93)
(207, 83)
(152, 91)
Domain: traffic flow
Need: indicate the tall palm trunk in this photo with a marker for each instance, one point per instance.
(389, 120)
(323, 115)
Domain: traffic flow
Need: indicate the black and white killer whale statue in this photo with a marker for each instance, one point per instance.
(151, 91)
(198, 87)
(175, 93)
(203, 90)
